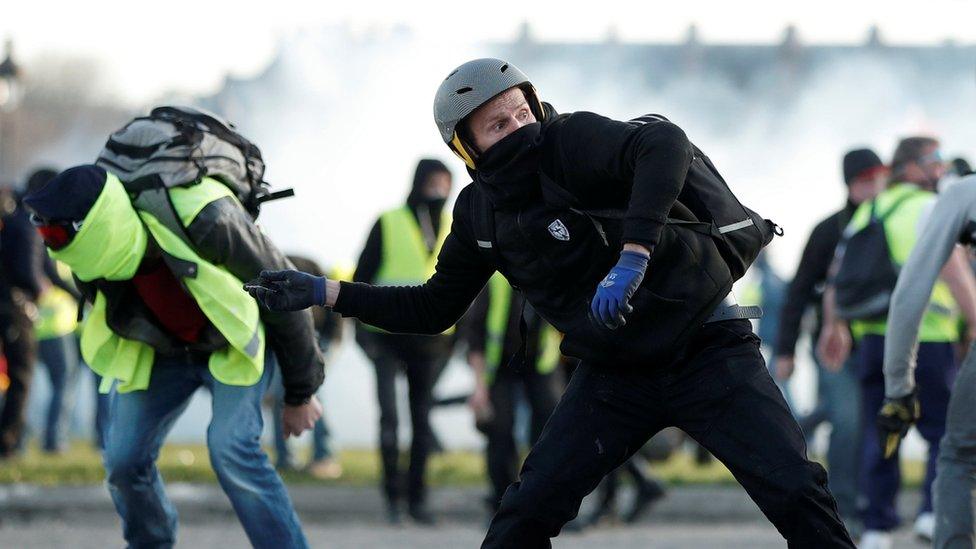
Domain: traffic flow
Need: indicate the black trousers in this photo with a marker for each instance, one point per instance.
(542, 392)
(20, 349)
(720, 393)
(420, 359)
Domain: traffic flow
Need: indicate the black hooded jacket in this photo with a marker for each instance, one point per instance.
(554, 254)
(372, 254)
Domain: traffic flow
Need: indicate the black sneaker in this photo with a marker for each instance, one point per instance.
(647, 494)
(393, 513)
(419, 513)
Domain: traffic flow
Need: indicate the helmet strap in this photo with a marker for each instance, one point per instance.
(463, 151)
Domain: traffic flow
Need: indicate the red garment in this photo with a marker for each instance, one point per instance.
(173, 307)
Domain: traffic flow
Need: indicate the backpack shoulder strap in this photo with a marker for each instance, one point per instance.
(891, 210)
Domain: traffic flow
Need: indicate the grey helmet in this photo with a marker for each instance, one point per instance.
(470, 86)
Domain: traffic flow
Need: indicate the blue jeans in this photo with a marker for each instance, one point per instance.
(140, 421)
(839, 404)
(60, 357)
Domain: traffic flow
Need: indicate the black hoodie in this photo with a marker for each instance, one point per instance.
(424, 211)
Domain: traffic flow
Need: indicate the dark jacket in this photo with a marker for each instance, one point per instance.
(604, 164)
(224, 234)
(21, 257)
(811, 276)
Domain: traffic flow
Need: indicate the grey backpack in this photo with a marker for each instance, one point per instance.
(176, 146)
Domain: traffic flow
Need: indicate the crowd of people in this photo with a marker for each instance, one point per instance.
(586, 277)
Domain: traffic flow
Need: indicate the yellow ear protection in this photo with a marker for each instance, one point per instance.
(467, 153)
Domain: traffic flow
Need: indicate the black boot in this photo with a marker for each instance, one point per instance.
(648, 492)
(392, 512)
(420, 514)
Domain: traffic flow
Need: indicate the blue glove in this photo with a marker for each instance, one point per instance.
(612, 299)
(287, 290)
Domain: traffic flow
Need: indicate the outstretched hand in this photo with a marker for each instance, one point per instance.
(287, 290)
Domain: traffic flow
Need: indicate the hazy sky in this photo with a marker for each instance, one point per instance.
(190, 45)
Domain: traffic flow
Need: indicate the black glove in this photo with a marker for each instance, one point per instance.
(897, 415)
(287, 290)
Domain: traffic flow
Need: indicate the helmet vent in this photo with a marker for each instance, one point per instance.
(464, 90)
(450, 75)
(504, 67)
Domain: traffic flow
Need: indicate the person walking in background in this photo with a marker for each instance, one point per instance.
(329, 327)
(503, 374)
(953, 222)
(22, 281)
(876, 242)
(401, 250)
(838, 394)
(57, 344)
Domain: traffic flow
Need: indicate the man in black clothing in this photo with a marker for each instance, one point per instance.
(401, 249)
(492, 332)
(838, 391)
(658, 344)
(21, 282)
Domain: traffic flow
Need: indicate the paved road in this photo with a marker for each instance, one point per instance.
(340, 517)
(57, 533)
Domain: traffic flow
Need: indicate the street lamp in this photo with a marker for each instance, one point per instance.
(9, 97)
(9, 79)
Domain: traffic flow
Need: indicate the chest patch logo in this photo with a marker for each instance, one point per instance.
(558, 230)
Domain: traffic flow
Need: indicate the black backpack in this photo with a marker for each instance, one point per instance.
(739, 232)
(176, 146)
(867, 274)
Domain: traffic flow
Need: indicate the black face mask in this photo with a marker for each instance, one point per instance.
(435, 204)
(509, 170)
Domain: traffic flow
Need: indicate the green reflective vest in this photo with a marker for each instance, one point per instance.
(218, 292)
(499, 305)
(57, 311)
(405, 259)
(941, 322)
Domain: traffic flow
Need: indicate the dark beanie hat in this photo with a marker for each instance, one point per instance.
(39, 178)
(70, 195)
(858, 162)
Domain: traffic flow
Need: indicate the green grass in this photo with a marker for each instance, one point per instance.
(81, 465)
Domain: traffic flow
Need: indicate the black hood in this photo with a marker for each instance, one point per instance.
(425, 168)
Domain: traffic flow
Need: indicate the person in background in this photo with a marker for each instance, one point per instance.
(953, 222)
(22, 281)
(838, 393)
(904, 207)
(401, 249)
(764, 287)
(58, 331)
(503, 374)
(57, 346)
(329, 327)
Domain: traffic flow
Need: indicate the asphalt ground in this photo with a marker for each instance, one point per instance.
(340, 517)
